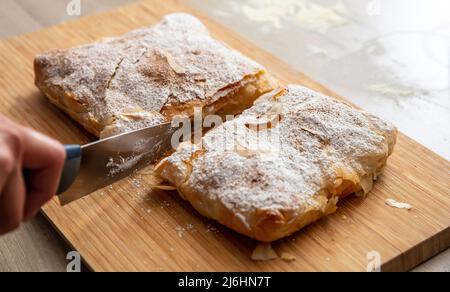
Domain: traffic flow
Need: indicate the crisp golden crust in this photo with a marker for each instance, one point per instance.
(282, 164)
(148, 76)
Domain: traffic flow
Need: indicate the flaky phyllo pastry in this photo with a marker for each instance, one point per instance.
(282, 164)
(279, 166)
(149, 76)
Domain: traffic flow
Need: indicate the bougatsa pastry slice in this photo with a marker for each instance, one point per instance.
(282, 164)
(148, 76)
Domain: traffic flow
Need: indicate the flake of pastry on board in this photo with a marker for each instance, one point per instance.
(399, 205)
(264, 252)
(164, 71)
(268, 182)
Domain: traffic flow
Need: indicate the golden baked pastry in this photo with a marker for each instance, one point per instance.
(282, 164)
(148, 76)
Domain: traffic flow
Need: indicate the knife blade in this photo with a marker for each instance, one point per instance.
(99, 164)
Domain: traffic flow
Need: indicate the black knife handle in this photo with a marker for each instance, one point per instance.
(71, 167)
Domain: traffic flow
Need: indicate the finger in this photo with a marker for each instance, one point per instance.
(10, 152)
(6, 163)
(12, 202)
(44, 159)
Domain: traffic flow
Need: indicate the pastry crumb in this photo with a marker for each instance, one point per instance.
(211, 229)
(287, 257)
(399, 205)
(264, 252)
(180, 231)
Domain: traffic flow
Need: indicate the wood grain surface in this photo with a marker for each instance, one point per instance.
(131, 227)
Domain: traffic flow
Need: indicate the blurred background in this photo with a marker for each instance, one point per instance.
(390, 57)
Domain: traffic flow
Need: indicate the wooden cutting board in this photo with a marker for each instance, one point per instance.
(129, 227)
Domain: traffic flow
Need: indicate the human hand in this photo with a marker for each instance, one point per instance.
(43, 158)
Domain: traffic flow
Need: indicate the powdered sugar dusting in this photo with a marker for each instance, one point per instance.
(316, 136)
(122, 164)
(173, 62)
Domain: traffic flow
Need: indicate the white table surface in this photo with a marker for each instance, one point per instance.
(390, 57)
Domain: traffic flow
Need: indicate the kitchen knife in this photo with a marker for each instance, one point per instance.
(94, 166)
